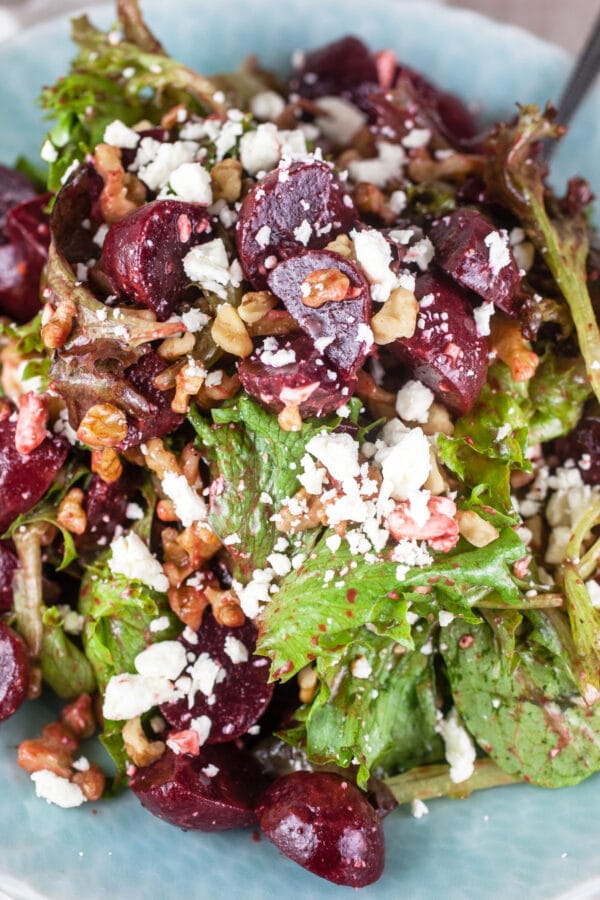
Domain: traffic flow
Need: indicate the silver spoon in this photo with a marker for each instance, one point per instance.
(585, 70)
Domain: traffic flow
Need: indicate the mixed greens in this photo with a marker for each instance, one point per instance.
(314, 389)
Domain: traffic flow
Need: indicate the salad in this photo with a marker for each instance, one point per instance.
(298, 433)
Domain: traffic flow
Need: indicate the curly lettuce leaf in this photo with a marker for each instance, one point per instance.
(530, 718)
(64, 666)
(514, 176)
(319, 607)
(126, 77)
(256, 466)
(385, 720)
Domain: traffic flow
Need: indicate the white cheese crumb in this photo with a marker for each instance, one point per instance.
(263, 236)
(341, 119)
(460, 750)
(190, 182)
(267, 105)
(361, 667)
(56, 789)
(312, 477)
(418, 809)
(49, 153)
(132, 558)
(210, 771)
(445, 618)
(128, 695)
(260, 150)
(397, 202)
(482, 315)
(160, 624)
(413, 401)
(337, 452)
(594, 591)
(278, 359)
(202, 726)
(406, 464)
(117, 134)
(204, 674)
(155, 162)
(498, 250)
(134, 511)
(82, 764)
(303, 232)
(418, 137)
(386, 165)
(235, 649)
(189, 507)
(374, 256)
(166, 659)
(207, 265)
(280, 563)
(195, 320)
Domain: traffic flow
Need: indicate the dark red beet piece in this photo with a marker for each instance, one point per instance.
(14, 189)
(341, 322)
(325, 824)
(310, 383)
(24, 479)
(78, 201)
(289, 210)
(243, 694)
(14, 671)
(176, 788)
(583, 441)
(105, 508)
(161, 420)
(457, 122)
(23, 257)
(338, 68)
(8, 564)
(490, 271)
(143, 254)
(445, 353)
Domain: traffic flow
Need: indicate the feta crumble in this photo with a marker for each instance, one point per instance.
(131, 557)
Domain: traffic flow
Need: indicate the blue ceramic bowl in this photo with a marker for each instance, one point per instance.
(510, 842)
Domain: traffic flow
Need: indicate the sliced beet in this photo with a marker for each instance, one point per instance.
(583, 446)
(14, 671)
(445, 353)
(14, 189)
(338, 68)
(342, 325)
(325, 824)
(23, 257)
(105, 508)
(457, 122)
(309, 382)
(305, 205)
(76, 215)
(24, 479)
(8, 564)
(490, 270)
(143, 253)
(241, 691)
(161, 420)
(214, 791)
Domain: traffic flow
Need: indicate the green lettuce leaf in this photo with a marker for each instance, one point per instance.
(384, 721)
(64, 666)
(530, 718)
(319, 607)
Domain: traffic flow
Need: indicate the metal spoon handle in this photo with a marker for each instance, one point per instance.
(586, 68)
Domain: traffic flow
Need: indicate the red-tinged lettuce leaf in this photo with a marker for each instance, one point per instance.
(310, 617)
(514, 176)
(529, 717)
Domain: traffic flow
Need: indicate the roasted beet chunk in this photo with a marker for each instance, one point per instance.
(161, 419)
(8, 564)
(306, 380)
(338, 68)
(582, 445)
(14, 189)
(457, 123)
(214, 791)
(143, 254)
(105, 509)
(330, 299)
(24, 479)
(23, 257)
(78, 202)
(14, 671)
(325, 824)
(305, 205)
(445, 353)
(478, 257)
(229, 684)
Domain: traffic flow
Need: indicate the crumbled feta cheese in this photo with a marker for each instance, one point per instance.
(204, 674)
(594, 591)
(340, 120)
(406, 464)
(207, 265)
(482, 315)
(159, 624)
(260, 150)
(418, 137)
(131, 557)
(278, 359)
(460, 750)
(498, 250)
(117, 134)
(303, 232)
(418, 809)
(361, 667)
(56, 789)
(280, 563)
(134, 511)
(195, 320)
(82, 764)
(374, 256)
(445, 618)
(49, 153)
(312, 477)
(337, 452)
(263, 236)
(267, 105)
(421, 253)
(189, 507)
(236, 650)
(155, 162)
(397, 202)
(190, 182)
(210, 771)
(165, 659)
(128, 695)
(413, 401)
(410, 553)
(386, 165)
(201, 726)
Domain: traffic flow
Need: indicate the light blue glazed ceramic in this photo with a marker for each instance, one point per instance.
(508, 843)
